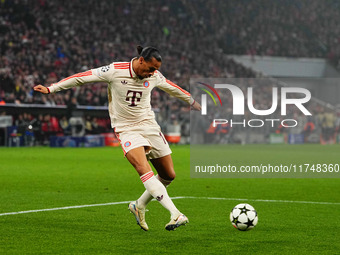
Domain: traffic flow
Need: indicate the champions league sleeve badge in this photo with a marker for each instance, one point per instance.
(105, 69)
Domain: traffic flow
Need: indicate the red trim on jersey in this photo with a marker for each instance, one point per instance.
(178, 87)
(121, 65)
(146, 176)
(87, 73)
(49, 91)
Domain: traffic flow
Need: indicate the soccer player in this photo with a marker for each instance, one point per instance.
(129, 92)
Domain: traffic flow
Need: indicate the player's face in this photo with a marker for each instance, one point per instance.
(147, 68)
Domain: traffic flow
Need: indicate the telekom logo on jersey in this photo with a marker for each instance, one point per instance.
(239, 104)
(133, 97)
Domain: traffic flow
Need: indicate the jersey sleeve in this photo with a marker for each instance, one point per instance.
(101, 74)
(173, 89)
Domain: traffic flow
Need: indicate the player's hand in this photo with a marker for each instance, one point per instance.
(196, 106)
(41, 89)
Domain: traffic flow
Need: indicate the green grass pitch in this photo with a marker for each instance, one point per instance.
(42, 178)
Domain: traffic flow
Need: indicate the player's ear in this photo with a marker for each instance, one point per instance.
(141, 60)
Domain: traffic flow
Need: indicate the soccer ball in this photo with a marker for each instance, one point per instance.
(243, 217)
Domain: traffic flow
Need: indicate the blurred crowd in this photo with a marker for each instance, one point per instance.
(45, 41)
(42, 42)
(36, 129)
(289, 28)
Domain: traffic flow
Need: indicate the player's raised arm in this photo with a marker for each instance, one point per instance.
(101, 74)
(176, 91)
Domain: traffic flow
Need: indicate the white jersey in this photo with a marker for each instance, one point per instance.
(129, 97)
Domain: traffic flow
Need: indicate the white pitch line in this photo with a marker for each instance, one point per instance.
(63, 208)
(262, 200)
(183, 197)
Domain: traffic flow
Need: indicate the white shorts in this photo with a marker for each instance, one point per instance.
(148, 134)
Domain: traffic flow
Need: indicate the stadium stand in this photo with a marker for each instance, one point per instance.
(44, 41)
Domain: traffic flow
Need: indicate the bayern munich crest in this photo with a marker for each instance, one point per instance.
(127, 144)
(146, 84)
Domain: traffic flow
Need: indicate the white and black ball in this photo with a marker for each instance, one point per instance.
(243, 217)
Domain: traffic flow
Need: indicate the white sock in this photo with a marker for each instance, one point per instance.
(146, 197)
(158, 191)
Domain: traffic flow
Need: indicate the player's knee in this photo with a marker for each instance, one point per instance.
(170, 176)
(167, 177)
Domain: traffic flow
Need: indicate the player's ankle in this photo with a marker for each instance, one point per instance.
(175, 214)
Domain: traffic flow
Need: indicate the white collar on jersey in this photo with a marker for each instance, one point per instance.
(132, 72)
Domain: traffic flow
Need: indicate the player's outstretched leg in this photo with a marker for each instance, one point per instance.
(152, 184)
(146, 197)
(158, 191)
(138, 207)
(165, 168)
